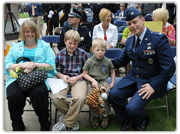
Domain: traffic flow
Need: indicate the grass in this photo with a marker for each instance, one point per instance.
(158, 116)
(26, 15)
(23, 15)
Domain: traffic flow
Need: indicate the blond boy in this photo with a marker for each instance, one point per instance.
(69, 64)
(96, 71)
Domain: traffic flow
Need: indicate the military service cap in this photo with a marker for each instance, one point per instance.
(75, 13)
(132, 13)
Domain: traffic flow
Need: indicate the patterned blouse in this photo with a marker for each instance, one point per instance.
(170, 32)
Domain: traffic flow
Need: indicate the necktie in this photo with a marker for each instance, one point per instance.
(136, 45)
(33, 12)
(105, 37)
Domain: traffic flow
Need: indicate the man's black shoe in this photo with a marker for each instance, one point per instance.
(144, 124)
(127, 126)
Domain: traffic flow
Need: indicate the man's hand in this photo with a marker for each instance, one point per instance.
(147, 90)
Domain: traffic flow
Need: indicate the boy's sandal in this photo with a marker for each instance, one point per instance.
(95, 122)
(104, 122)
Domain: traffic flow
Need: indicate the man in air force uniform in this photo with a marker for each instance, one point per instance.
(152, 67)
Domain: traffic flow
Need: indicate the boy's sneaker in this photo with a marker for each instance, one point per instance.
(58, 126)
(76, 127)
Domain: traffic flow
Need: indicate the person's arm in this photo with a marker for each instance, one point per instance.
(125, 35)
(65, 78)
(171, 34)
(89, 78)
(95, 32)
(114, 40)
(61, 44)
(87, 43)
(112, 79)
(21, 65)
(167, 64)
(73, 80)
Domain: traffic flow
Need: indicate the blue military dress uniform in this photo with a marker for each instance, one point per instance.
(152, 63)
(85, 38)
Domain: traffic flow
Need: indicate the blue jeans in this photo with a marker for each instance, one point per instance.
(132, 110)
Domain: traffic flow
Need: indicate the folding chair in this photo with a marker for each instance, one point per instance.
(123, 19)
(51, 39)
(114, 19)
(119, 23)
(121, 29)
(49, 108)
(114, 53)
(119, 37)
(119, 40)
(173, 81)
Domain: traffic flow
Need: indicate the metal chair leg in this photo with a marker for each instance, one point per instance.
(50, 110)
(167, 104)
(55, 120)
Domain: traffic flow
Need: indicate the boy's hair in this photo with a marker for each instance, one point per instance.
(29, 24)
(72, 34)
(99, 41)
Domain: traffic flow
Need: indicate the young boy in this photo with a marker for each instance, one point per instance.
(69, 64)
(96, 71)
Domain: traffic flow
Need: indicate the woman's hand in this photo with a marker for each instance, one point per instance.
(28, 65)
(28, 70)
(31, 65)
(109, 46)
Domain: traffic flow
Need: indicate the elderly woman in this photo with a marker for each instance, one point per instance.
(41, 55)
(162, 14)
(105, 29)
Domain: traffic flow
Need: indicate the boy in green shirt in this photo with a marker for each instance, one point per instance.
(96, 71)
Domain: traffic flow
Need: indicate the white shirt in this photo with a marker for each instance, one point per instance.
(111, 33)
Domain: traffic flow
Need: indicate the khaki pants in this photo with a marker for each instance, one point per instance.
(106, 102)
(37, 20)
(71, 111)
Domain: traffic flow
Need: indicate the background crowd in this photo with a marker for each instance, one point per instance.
(56, 16)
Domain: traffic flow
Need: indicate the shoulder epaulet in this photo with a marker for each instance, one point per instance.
(156, 33)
